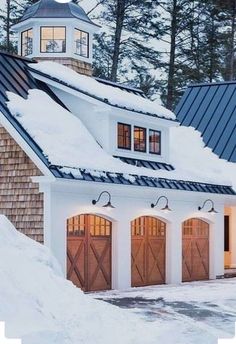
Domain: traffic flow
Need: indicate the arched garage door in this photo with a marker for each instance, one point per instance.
(148, 251)
(89, 252)
(195, 250)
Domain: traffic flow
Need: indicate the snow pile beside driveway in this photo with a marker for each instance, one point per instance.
(66, 142)
(114, 95)
(41, 307)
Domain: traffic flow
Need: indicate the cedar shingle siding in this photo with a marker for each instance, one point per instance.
(20, 199)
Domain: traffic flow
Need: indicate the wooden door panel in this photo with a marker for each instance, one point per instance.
(99, 264)
(138, 261)
(195, 250)
(89, 252)
(156, 261)
(148, 251)
(76, 261)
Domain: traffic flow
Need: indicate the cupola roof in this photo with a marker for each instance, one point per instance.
(54, 9)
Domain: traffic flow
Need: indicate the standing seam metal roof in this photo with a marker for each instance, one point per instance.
(211, 109)
(54, 9)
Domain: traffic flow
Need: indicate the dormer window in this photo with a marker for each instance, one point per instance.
(154, 141)
(53, 39)
(124, 136)
(81, 43)
(139, 139)
(27, 42)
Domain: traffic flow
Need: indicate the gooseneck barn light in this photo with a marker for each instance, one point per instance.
(108, 205)
(166, 208)
(212, 209)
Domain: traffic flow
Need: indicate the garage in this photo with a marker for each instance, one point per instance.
(89, 252)
(148, 251)
(195, 250)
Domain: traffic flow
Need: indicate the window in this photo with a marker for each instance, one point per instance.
(27, 42)
(124, 136)
(139, 139)
(154, 142)
(53, 39)
(226, 227)
(81, 43)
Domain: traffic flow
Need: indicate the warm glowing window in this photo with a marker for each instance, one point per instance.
(139, 139)
(27, 42)
(81, 43)
(124, 136)
(154, 141)
(53, 39)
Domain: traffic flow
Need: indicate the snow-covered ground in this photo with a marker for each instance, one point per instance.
(41, 307)
(191, 313)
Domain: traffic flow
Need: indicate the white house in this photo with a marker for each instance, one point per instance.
(122, 195)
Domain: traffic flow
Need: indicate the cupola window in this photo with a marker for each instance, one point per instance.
(27, 42)
(154, 141)
(124, 136)
(53, 39)
(81, 43)
(139, 139)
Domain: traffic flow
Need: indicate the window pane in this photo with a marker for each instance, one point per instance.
(47, 32)
(124, 136)
(139, 139)
(81, 43)
(27, 42)
(59, 33)
(154, 142)
(53, 39)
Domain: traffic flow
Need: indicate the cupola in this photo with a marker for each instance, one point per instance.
(59, 32)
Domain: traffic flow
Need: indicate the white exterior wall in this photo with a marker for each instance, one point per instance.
(67, 199)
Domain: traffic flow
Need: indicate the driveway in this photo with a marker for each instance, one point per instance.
(199, 312)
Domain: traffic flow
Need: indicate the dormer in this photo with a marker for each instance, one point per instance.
(59, 32)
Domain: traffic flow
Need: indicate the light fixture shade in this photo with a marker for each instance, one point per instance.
(213, 211)
(108, 205)
(166, 209)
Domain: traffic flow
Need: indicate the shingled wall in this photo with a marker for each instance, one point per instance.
(20, 199)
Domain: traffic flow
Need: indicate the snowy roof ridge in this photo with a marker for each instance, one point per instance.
(141, 180)
(84, 84)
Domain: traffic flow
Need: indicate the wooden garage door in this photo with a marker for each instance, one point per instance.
(195, 250)
(148, 251)
(89, 252)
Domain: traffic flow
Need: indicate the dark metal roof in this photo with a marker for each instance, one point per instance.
(211, 109)
(54, 9)
(152, 165)
(104, 100)
(16, 78)
(160, 183)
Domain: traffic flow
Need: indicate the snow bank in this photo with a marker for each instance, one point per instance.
(114, 95)
(66, 142)
(41, 307)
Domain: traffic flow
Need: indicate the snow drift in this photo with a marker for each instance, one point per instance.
(41, 307)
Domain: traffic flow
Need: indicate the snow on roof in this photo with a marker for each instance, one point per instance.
(114, 96)
(66, 142)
